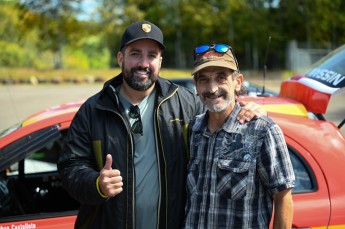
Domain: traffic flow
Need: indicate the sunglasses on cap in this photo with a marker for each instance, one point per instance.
(134, 113)
(220, 48)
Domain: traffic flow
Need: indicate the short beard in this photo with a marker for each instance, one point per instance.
(136, 83)
(212, 107)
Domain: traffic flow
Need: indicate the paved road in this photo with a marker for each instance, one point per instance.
(19, 101)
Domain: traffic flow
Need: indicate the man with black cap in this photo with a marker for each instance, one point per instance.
(236, 171)
(126, 152)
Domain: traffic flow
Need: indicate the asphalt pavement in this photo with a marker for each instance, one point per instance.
(20, 101)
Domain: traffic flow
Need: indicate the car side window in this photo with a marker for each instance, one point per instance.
(45, 159)
(32, 185)
(42, 160)
(305, 178)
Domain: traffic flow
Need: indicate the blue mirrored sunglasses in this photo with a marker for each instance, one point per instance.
(220, 48)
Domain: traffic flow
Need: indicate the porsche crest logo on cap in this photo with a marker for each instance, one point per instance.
(142, 30)
(146, 28)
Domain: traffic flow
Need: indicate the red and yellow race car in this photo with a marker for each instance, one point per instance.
(31, 193)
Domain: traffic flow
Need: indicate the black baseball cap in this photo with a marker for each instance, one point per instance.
(142, 30)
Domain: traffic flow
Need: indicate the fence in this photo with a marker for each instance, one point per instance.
(300, 59)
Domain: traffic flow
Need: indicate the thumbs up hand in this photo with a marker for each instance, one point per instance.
(110, 180)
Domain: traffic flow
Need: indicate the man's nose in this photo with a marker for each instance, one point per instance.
(144, 61)
(212, 86)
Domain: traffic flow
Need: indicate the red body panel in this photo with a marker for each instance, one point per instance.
(301, 92)
(66, 222)
(323, 146)
(61, 115)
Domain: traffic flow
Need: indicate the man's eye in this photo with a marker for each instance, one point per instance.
(222, 78)
(202, 80)
(153, 56)
(135, 54)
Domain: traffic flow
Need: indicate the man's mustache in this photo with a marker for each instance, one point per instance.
(217, 93)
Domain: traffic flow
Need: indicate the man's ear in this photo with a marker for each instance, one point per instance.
(120, 58)
(239, 81)
(160, 62)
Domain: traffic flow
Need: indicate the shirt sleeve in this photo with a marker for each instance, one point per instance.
(274, 164)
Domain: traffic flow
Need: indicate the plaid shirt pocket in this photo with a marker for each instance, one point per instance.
(232, 176)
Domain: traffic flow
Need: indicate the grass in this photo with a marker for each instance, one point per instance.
(32, 76)
(19, 74)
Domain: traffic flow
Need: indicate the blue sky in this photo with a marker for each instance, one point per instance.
(88, 7)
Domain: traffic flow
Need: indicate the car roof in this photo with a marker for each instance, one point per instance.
(53, 112)
(61, 115)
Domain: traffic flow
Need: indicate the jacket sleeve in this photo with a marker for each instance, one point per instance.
(77, 166)
(199, 106)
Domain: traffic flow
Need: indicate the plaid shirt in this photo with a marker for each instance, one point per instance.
(234, 172)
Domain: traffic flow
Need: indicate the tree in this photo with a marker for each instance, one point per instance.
(55, 20)
(116, 15)
(54, 26)
(14, 48)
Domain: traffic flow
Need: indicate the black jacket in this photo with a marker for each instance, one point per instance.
(99, 128)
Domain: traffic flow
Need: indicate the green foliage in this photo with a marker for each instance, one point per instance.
(13, 55)
(95, 52)
(89, 57)
(8, 22)
(75, 59)
(45, 34)
(55, 23)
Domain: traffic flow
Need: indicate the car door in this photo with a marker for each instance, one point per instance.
(311, 199)
(31, 192)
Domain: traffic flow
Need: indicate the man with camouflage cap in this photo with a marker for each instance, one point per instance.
(236, 171)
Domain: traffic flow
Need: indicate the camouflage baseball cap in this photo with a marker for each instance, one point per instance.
(214, 58)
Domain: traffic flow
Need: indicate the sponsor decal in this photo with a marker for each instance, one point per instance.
(20, 226)
(328, 77)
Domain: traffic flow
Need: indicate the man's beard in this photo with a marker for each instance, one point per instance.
(213, 106)
(137, 83)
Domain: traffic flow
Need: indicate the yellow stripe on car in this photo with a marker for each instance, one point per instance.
(330, 227)
(46, 115)
(291, 109)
